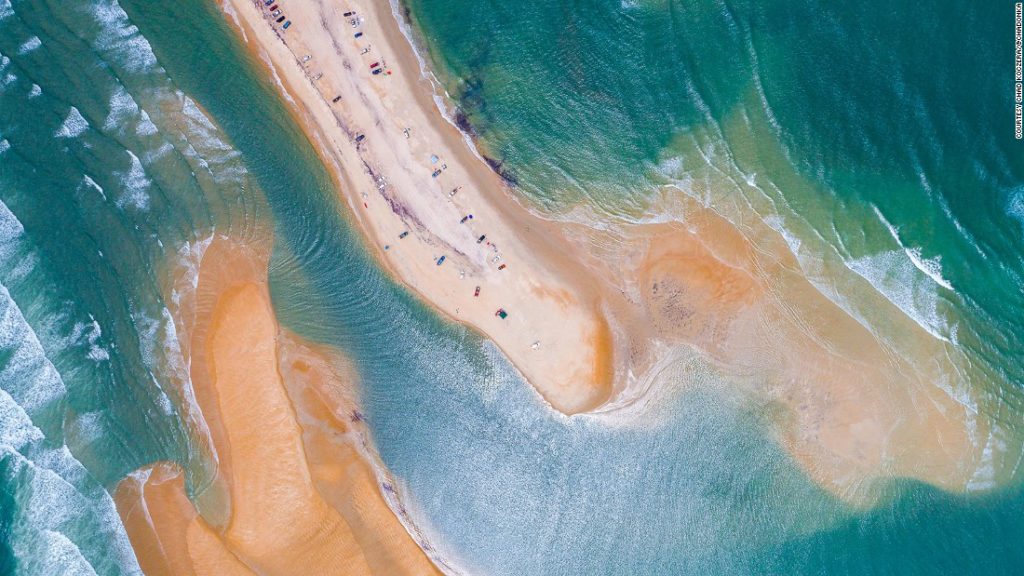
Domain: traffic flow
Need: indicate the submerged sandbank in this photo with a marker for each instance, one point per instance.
(294, 492)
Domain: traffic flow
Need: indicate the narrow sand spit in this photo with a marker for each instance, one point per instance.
(295, 494)
(589, 310)
(522, 266)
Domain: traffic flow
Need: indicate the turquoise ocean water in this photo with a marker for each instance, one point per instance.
(881, 135)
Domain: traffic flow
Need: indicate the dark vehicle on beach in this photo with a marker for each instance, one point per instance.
(281, 19)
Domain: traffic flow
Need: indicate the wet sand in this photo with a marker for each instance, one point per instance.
(295, 493)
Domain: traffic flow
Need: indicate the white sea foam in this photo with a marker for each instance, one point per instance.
(120, 38)
(163, 150)
(64, 509)
(206, 146)
(62, 556)
(89, 183)
(30, 378)
(35, 91)
(795, 243)
(136, 185)
(230, 11)
(145, 126)
(122, 108)
(6, 10)
(58, 492)
(1015, 205)
(16, 428)
(31, 44)
(4, 145)
(932, 267)
(89, 334)
(17, 265)
(199, 121)
(898, 280)
(277, 79)
(74, 125)
(159, 343)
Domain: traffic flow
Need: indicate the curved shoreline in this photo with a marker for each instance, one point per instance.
(548, 296)
(702, 284)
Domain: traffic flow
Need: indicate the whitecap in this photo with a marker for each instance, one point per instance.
(31, 44)
(4, 145)
(88, 334)
(122, 39)
(16, 428)
(35, 91)
(61, 556)
(88, 182)
(6, 10)
(136, 185)
(932, 267)
(64, 510)
(74, 125)
(1015, 205)
(122, 107)
(897, 279)
(795, 243)
(29, 377)
(145, 126)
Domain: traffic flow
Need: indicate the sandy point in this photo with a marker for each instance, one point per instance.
(436, 216)
(582, 312)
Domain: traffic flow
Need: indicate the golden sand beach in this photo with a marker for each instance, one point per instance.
(590, 312)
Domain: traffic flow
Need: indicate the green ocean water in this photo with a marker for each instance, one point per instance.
(874, 137)
(130, 132)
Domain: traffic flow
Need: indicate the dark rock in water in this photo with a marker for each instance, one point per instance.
(499, 168)
(462, 121)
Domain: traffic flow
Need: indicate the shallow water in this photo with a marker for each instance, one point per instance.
(129, 151)
(875, 137)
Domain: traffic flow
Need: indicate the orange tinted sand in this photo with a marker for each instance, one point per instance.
(852, 410)
(286, 513)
